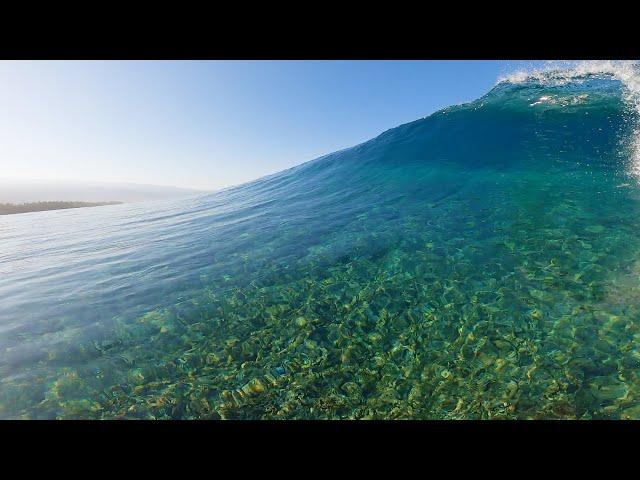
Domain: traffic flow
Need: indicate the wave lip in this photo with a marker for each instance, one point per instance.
(575, 74)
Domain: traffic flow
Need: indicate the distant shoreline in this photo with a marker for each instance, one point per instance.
(13, 208)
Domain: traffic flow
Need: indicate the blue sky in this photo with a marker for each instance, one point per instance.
(212, 124)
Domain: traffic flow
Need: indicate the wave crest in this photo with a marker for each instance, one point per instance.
(558, 73)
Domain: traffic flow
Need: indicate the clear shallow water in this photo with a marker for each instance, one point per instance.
(479, 263)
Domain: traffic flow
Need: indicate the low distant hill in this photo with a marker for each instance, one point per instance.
(10, 208)
(14, 191)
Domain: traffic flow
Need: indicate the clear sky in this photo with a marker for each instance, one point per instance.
(211, 124)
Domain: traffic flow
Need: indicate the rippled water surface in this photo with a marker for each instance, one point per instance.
(482, 262)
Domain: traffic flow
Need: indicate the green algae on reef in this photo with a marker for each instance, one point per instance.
(492, 279)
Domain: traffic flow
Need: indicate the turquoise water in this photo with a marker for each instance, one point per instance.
(482, 262)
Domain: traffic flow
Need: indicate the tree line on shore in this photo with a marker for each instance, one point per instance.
(9, 208)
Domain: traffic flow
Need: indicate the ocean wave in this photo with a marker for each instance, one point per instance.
(480, 262)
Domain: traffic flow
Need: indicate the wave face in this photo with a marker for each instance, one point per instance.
(482, 262)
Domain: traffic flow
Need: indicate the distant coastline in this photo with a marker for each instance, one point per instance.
(31, 191)
(12, 208)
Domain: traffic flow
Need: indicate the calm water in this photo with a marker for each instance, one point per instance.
(483, 262)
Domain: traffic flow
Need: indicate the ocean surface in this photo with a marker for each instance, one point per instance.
(480, 263)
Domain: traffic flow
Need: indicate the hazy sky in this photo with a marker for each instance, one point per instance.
(211, 124)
